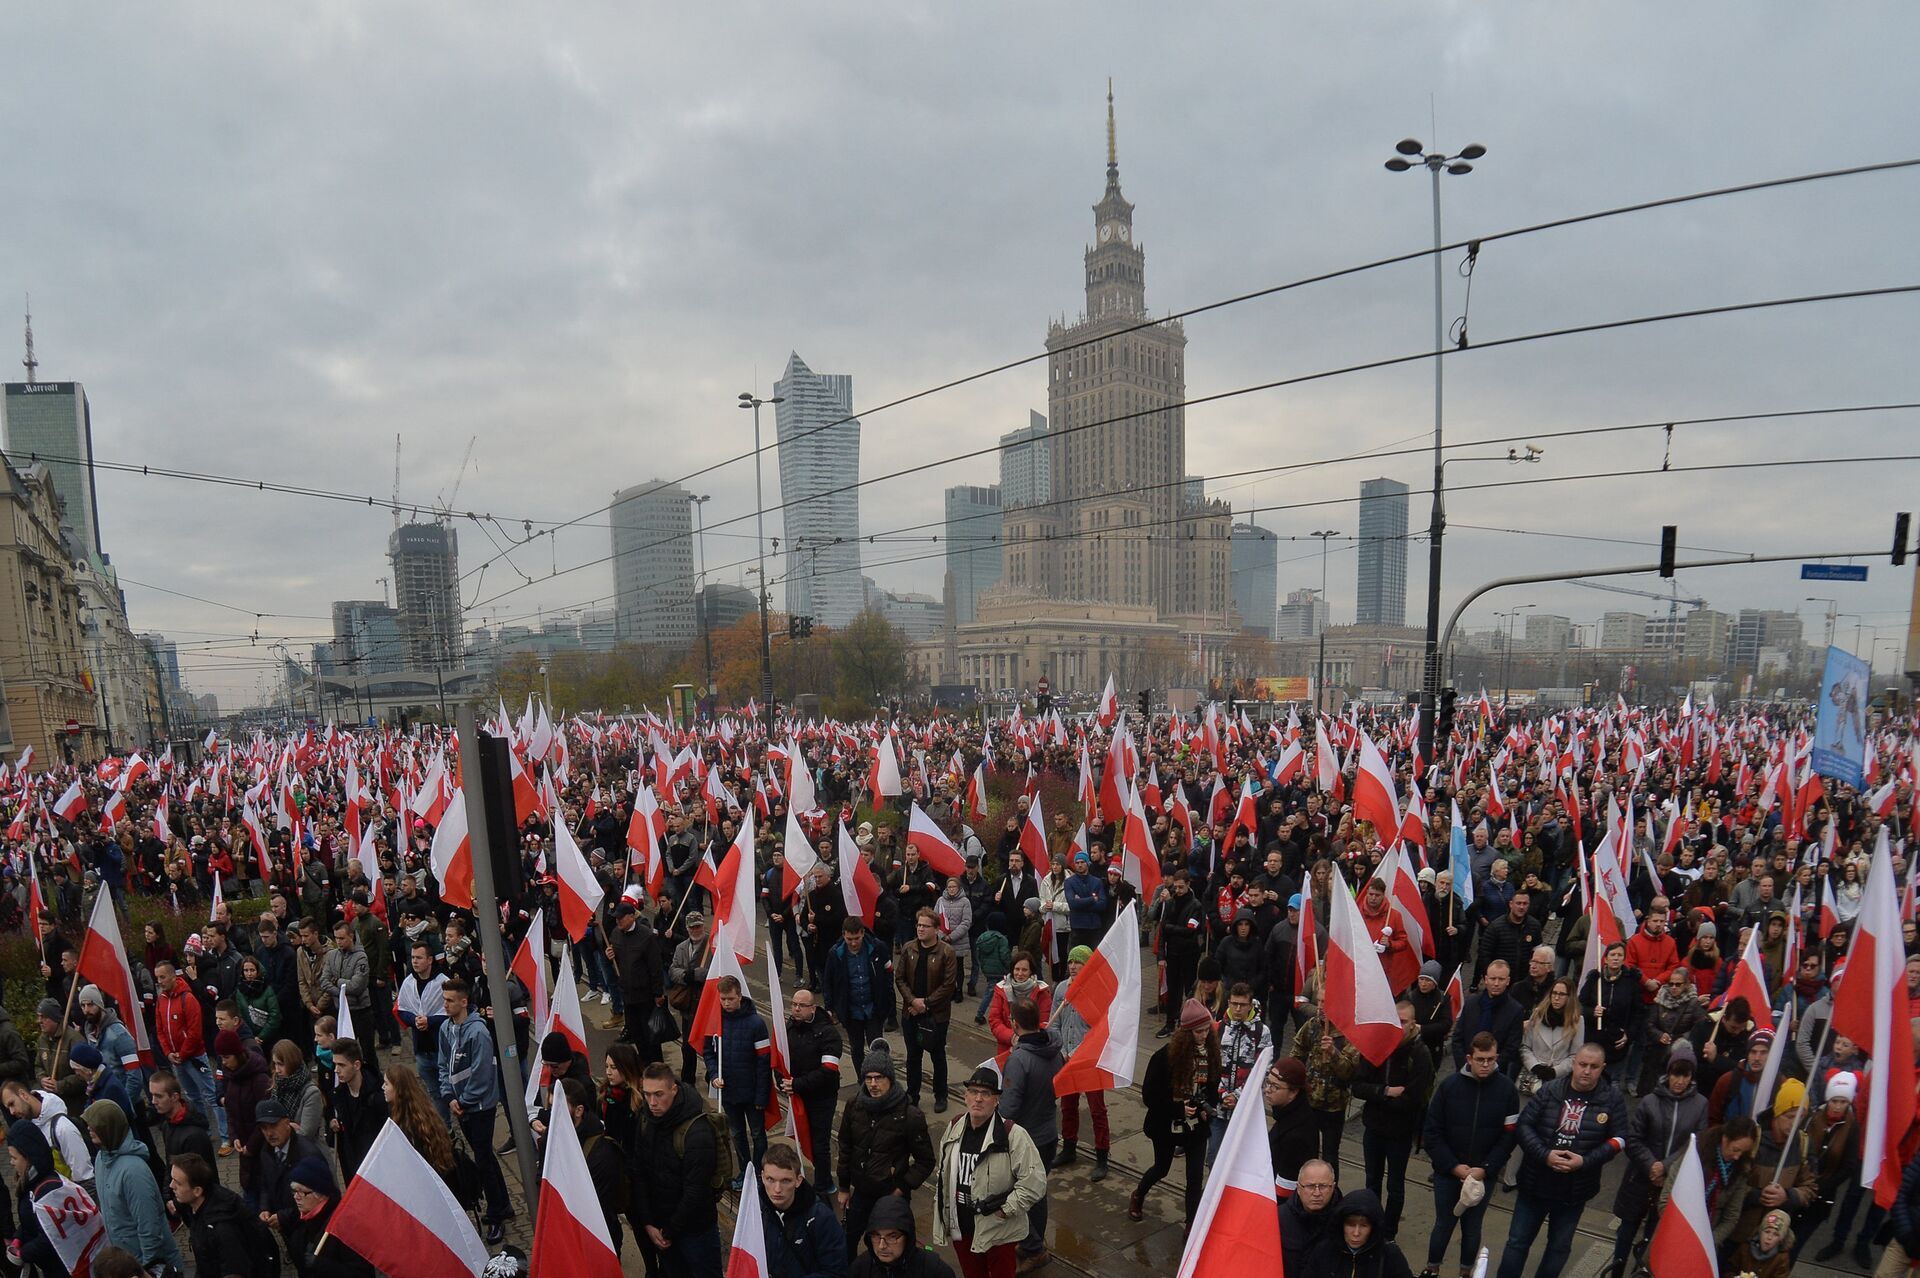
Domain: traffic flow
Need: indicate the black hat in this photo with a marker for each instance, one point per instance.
(554, 1049)
(270, 1111)
(985, 1078)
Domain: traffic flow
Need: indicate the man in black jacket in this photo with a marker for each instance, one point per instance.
(1511, 937)
(281, 1147)
(1570, 1129)
(1393, 1096)
(670, 1177)
(813, 1043)
(1306, 1217)
(885, 1150)
(1183, 925)
(1491, 1010)
(1468, 1134)
(802, 1236)
(359, 1107)
(634, 949)
(227, 1239)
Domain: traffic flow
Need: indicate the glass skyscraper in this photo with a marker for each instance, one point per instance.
(49, 422)
(1383, 554)
(973, 546)
(819, 444)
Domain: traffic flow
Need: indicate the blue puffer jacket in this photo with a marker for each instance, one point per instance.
(1086, 902)
(743, 1060)
(1591, 1124)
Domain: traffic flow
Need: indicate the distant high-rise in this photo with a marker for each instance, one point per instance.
(49, 422)
(1622, 631)
(653, 577)
(367, 638)
(1383, 554)
(726, 605)
(426, 594)
(1256, 580)
(1302, 616)
(1026, 475)
(819, 440)
(973, 545)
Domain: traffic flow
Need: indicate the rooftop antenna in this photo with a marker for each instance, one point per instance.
(32, 364)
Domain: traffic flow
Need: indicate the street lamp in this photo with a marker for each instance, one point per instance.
(700, 592)
(1506, 654)
(1411, 152)
(1320, 678)
(547, 681)
(1831, 605)
(749, 400)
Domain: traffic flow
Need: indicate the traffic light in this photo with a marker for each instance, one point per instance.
(1146, 703)
(793, 627)
(1043, 702)
(1669, 534)
(1901, 523)
(806, 627)
(1443, 725)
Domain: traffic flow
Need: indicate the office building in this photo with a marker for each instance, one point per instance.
(600, 629)
(1705, 638)
(973, 545)
(1757, 629)
(1547, 634)
(723, 605)
(653, 576)
(1302, 616)
(50, 424)
(49, 703)
(367, 638)
(915, 616)
(1026, 475)
(1623, 631)
(819, 442)
(1256, 578)
(1383, 554)
(426, 594)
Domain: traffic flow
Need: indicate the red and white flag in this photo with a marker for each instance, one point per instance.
(219, 899)
(452, 855)
(886, 767)
(1236, 1230)
(1869, 1007)
(1109, 704)
(733, 894)
(977, 794)
(747, 1257)
(1683, 1240)
(1456, 991)
(1033, 838)
(1374, 798)
(935, 848)
(570, 1232)
(1106, 993)
(1306, 950)
(103, 961)
(1358, 1001)
(580, 890)
(1750, 981)
(800, 858)
(71, 804)
(400, 1216)
(563, 1015)
(1139, 862)
(858, 888)
(530, 965)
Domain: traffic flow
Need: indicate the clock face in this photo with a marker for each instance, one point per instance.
(1123, 234)
(1106, 233)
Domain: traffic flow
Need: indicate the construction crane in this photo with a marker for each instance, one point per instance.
(1673, 601)
(396, 480)
(443, 505)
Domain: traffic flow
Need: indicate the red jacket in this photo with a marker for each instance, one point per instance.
(1654, 957)
(1401, 963)
(176, 1018)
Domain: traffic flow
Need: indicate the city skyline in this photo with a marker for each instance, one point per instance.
(607, 286)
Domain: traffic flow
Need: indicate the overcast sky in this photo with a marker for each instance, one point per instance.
(267, 238)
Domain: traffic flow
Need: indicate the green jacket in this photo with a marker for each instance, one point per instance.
(1009, 1164)
(992, 953)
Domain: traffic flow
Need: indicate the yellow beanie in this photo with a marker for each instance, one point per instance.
(1792, 1094)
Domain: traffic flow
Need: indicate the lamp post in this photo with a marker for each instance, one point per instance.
(749, 400)
(1831, 605)
(1320, 677)
(1506, 654)
(700, 593)
(1411, 152)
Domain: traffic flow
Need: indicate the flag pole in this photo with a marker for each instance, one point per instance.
(73, 988)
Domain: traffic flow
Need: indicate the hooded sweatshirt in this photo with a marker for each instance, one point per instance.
(915, 1262)
(1375, 1258)
(129, 1196)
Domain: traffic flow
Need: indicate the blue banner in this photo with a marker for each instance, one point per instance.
(1840, 729)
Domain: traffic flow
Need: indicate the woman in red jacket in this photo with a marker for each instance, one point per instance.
(1019, 982)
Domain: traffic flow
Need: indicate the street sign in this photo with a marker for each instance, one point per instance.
(1833, 572)
(73, 725)
(1044, 687)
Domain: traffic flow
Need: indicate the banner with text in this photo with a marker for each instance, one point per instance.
(1840, 729)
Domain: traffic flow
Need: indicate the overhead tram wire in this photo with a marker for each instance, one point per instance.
(1255, 295)
(1391, 361)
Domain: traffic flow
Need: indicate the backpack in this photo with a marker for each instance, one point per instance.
(622, 1186)
(722, 1147)
(86, 1139)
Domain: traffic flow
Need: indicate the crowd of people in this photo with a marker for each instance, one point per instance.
(1533, 1051)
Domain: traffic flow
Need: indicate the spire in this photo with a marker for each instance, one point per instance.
(32, 364)
(1113, 153)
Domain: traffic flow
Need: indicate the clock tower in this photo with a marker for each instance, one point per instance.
(1116, 268)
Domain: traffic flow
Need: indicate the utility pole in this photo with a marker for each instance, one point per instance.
(750, 400)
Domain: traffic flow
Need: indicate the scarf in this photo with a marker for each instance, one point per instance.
(289, 1091)
(1020, 989)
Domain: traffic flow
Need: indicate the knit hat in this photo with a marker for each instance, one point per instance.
(1031, 905)
(108, 1121)
(90, 996)
(1431, 970)
(555, 1050)
(1079, 954)
(1844, 1085)
(1194, 1015)
(1292, 1071)
(86, 1056)
(1791, 1095)
(1682, 1051)
(878, 1060)
(312, 1172)
(1081, 858)
(49, 1008)
(227, 1043)
(1207, 969)
(1706, 932)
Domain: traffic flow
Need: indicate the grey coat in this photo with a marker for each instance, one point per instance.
(1026, 1086)
(1656, 1133)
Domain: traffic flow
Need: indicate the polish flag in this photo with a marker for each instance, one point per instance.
(1109, 704)
(1237, 1228)
(1245, 817)
(1291, 763)
(1496, 802)
(563, 1014)
(1106, 993)
(103, 962)
(706, 1021)
(1413, 823)
(400, 1216)
(1869, 1007)
(935, 849)
(800, 791)
(1033, 838)
(733, 894)
(526, 798)
(1182, 812)
(24, 762)
(858, 888)
(70, 805)
(1374, 799)
(645, 831)
(452, 855)
(799, 855)
(1358, 1002)
(580, 890)
(747, 1257)
(1403, 892)
(1683, 1240)
(886, 767)
(1750, 981)
(1326, 763)
(1881, 800)
(782, 1063)
(1306, 950)
(1139, 863)
(36, 903)
(1456, 991)
(219, 899)
(977, 794)
(570, 1232)
(530, 965)
(1829, 916)
(162, 831)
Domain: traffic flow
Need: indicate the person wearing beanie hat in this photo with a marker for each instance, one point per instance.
(1671, 1110)
(102, 1081)
(124, 1186)
(1178, 1090)
(315, 1195)
(102, 1027)
(885, 1148)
